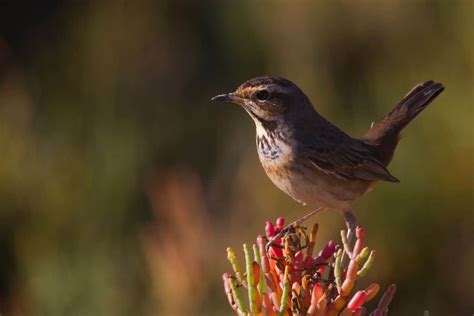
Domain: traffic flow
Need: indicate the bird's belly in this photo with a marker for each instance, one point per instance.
(313, 187)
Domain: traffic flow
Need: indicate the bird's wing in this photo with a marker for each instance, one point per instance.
(348, 159)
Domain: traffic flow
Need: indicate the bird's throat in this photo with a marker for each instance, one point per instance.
(272, 145)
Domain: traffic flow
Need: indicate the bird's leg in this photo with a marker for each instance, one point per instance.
(291, 225)
(350, 219)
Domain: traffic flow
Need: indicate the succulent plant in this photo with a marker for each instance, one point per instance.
(283, 276)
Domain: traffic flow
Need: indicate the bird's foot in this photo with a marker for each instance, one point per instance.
(290, 227)
(350, 219)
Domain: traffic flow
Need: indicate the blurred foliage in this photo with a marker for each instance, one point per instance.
(115, 164)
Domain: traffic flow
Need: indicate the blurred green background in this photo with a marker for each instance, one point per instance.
(121, 184)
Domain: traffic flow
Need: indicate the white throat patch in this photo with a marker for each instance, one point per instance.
(271, 147)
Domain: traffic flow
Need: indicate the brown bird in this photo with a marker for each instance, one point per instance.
(312, 160)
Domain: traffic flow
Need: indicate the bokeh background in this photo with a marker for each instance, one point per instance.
(121, 184)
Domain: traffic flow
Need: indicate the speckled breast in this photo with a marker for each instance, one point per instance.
(277, 159)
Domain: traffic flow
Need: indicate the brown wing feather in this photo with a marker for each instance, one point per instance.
(349, 160)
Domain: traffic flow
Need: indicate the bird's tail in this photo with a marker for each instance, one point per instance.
(384, 135)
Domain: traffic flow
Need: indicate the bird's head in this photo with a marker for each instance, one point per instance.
(267, 98)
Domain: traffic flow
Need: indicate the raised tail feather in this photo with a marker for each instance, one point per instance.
(384, 135)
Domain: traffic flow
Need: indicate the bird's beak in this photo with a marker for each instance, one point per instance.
(227, 97)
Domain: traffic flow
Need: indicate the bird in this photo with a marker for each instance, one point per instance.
(312, 160)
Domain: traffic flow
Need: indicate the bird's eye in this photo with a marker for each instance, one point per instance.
(263, 95)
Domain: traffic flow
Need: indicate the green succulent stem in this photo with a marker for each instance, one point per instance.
(252, 289)
(237, 296)
(338, 268)
(286, 292)
(366, 265)
(261, 281)
(235, 264)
